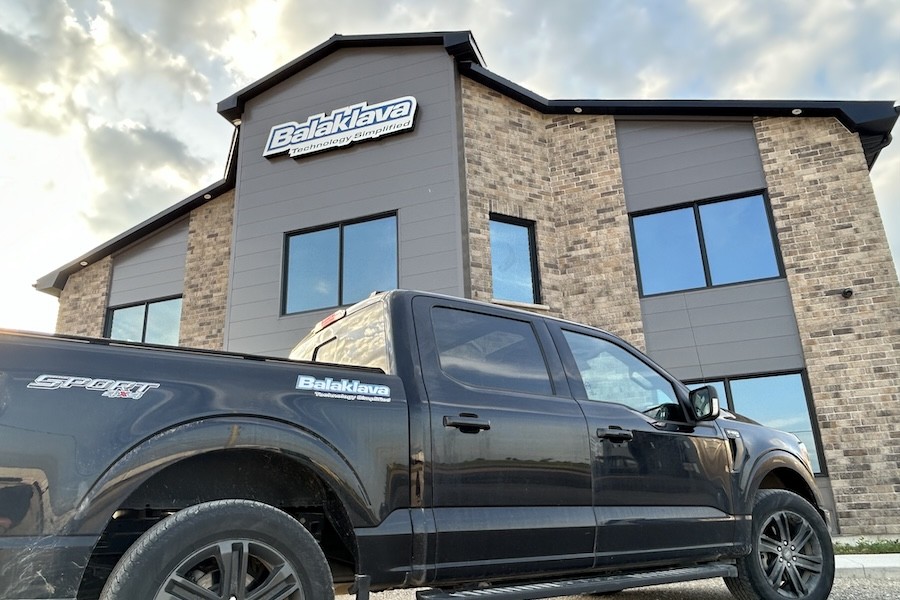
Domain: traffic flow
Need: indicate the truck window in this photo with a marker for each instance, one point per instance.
(357, 339)
(490, 352)
(612, 374)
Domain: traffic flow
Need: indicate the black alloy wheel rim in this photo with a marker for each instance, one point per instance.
(790, 554)
(233, 570)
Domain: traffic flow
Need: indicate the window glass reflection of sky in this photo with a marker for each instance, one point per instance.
(777, 401)
(668, 251)
(312, 279)
(511, 262)
(370, 258)
(128, 324)
(738, 240)
(163, 322)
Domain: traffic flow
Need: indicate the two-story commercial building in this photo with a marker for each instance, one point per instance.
(738, 242)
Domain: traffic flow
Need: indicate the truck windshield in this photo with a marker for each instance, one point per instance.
(357, 339)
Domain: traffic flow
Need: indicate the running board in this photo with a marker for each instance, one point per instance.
(592, 585)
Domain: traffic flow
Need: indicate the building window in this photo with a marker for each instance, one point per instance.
(341, 264)
(704, 245)
(778, 401)
(514, 269)
(152, 322)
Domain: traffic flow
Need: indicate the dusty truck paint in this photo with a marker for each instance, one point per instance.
(419, 440)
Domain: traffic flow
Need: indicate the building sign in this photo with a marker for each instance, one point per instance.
(344, 126)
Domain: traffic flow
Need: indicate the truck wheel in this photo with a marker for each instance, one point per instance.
(792, 555)
(224, 549)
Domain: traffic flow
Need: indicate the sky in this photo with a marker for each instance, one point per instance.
(108, 108)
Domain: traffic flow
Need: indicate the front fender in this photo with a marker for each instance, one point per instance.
(790, 469)
(222, 433)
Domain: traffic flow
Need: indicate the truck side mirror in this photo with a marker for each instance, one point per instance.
(705, 403)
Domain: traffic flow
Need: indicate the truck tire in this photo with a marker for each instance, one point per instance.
(223, 549)
(792, 555)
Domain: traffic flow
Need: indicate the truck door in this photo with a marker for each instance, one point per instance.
(662, 488)
(510, 473)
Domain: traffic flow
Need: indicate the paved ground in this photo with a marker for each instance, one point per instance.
(872, 577)
(714, 589)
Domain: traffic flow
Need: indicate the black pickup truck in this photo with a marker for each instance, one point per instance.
(413, 440)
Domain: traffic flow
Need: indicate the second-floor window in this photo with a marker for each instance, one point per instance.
(705, 244)
(339, 264)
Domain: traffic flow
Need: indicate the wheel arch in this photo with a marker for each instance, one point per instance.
(221, 435)
(781, 470)
(224, 458)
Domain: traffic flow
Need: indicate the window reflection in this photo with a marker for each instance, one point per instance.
(512, 261)
(370, 258)
(313, 266)
(127, 324)
(156, 322)
(163, 319)
(487, 351)
(738, 240)
(612, 374)
(777, 401)
(340, 265)
(668, 251)
(703, 245)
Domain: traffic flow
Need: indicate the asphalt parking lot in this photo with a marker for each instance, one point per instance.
(845, 588)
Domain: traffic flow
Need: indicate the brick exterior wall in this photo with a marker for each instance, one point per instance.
(206, 274)
(82, 304)
(563, 173)
(832, 238)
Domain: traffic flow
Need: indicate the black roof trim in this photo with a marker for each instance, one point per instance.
(872, 120)
(53, 283)
(459, 44)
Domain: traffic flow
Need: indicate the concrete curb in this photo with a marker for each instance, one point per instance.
(867, 566)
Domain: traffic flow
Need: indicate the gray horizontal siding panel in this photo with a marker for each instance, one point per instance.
(414, 174)
(434, 230)
(250, 294)
(434, 281)
(672, 162)
(732, 330)
(720, 370)
(387, 192)
(152, 269)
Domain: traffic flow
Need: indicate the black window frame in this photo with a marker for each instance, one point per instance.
(340, 225)
(695, 206)
(531, 227)
(728, 402)
(107, 326)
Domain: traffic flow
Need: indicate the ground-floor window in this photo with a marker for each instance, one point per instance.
(779, 400)
(151, 322)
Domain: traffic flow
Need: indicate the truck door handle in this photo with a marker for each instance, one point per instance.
(614, 433)
(467, 423)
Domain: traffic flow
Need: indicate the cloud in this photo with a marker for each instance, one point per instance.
(137, 166)
(86, 72)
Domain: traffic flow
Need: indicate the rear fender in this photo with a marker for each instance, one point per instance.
(210, 435)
